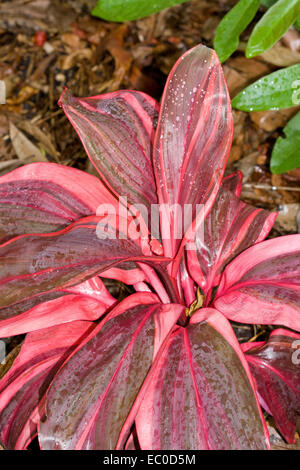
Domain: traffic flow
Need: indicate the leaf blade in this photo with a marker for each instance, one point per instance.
(232, 25)
(195, 125)
(196, 406)
(129, 339)
(128, 10)
(277, 90)
(272, 26)
(286, 151)
(265, 276)
(275, 367)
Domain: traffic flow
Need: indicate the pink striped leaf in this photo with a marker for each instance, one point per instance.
(230, 228)
(192, 141)
(99, 393)
(200, 394)
(117, 130)
(275, 366)
(262, 285)
(23, 388)
(86, 301)
(34, 267)
(46, 197)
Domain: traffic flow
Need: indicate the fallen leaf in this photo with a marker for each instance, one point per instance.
(281, 56)
(24, 148)
(271, 120)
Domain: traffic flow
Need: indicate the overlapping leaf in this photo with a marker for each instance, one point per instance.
(200, 394)
(262, 285)
(46, 197)
(230, 228)
(86, 301)
(272, 26)
(117, 131)
(33, 267)
(91, 403)
(275, 365)
(192, 141)
(23, 388)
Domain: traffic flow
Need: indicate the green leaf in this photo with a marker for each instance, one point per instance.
(297, 24)
(286, 151)
(232, 25)
(128, 10)
(267, 3)
(280, 89)
(272, 26)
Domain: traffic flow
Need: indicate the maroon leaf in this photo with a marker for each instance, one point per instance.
(100, 383)
(33, 267)
(192, 140)
(22, 389)
(46, 197)
(230, 228)
(200, 392)
(275, 366)
(116, 130)
(86, 301)
(262, 285)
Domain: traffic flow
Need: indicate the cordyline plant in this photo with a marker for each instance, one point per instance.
(161, 369)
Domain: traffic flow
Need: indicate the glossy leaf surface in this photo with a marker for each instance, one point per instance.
(128, 10)
(46, 197)
(86, 301)
(277, 90)
(199, 396)
(192, 141)
(230, 228)
(272, 26)
(117, 130)
(232, 25)
(101, 381)
(22, 389)
(276, 369)
(33, 267)
(286, 151)
(262, 285)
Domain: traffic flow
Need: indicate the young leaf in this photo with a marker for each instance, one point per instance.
(128, 10)
(230, 228)
(274, 91)
(232, 25)
(272, 26)
(275, 368)
(102, 379)
(286, 151)
(23, 388)
(200, 380)
(262, 285)
(192, 140)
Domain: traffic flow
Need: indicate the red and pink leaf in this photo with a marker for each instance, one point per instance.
(23, 388)
(262, 285)
(200, 394)
(117, 131)
(100, 383)
(230, 228)
(34, 267)
(86, 301)
(275, 366)
(46, 197)
(192, 141)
